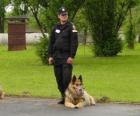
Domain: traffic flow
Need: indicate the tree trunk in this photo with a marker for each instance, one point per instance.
(139, 38)
(1, 25)
(85, 36)
(131, 43)
(2, 16)
(85, 39)
(35, 14)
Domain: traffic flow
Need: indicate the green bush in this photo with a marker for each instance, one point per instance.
(42, 50)
(108, 48)
(104, 22)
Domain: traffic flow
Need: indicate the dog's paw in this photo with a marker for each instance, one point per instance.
(78, 106)
(93, 103)
(72, 107)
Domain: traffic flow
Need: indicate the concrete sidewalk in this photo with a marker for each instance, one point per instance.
(49, 107)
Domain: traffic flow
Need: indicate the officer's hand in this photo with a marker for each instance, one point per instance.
(69, 60)
(50, 60)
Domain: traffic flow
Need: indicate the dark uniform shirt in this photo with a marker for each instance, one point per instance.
(63, 41)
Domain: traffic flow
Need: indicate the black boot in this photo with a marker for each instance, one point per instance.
(62, 101)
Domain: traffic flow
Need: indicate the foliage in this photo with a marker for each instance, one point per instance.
(104, 26)
(130, 31)
(50, 15)
(20, 7)
(34, 6)
(45, 11)
(130, 36)
(3, 3)
(42, 50)
(136, 18)
(82, 24)
(106, 19)
(123, 7)
(110, 17)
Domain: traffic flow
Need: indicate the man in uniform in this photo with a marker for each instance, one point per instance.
(62, 49)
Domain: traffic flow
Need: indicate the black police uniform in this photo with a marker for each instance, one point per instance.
(63, 44)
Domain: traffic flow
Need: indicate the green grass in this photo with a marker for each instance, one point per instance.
(22, 74)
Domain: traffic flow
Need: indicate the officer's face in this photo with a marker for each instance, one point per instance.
(63, 17)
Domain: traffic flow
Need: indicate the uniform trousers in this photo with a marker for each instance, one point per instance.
(63, 74)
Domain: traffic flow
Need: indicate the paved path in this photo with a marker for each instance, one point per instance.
(48, 107)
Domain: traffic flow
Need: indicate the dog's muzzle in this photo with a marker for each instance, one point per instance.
(79, 90)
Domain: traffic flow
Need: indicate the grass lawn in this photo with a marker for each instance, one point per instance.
(22, 74)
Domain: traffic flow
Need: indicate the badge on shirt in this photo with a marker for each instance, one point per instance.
(57, 31)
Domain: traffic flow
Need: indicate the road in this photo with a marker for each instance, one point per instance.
(49, 107)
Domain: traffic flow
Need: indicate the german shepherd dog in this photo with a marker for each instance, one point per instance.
(1, 93)
(76, 96)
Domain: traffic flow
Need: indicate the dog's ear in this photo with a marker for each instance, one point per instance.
(80, 78)
(73, 78)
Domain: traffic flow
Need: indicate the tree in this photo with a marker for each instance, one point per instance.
(130, 31)
(2, 16)
(81, 24)
(102, 20)
(34, 6)
(45, 11)
(130, 35)
(20, 7)
(50, 15)
(106, 18)
(3, 3)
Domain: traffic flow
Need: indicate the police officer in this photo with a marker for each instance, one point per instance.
(62, 49)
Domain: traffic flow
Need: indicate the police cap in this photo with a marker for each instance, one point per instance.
(62, 11)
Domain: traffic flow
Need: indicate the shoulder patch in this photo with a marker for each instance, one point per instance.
(73, 28)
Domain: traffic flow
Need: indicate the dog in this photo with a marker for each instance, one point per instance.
(1, 93)
(76, 96)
